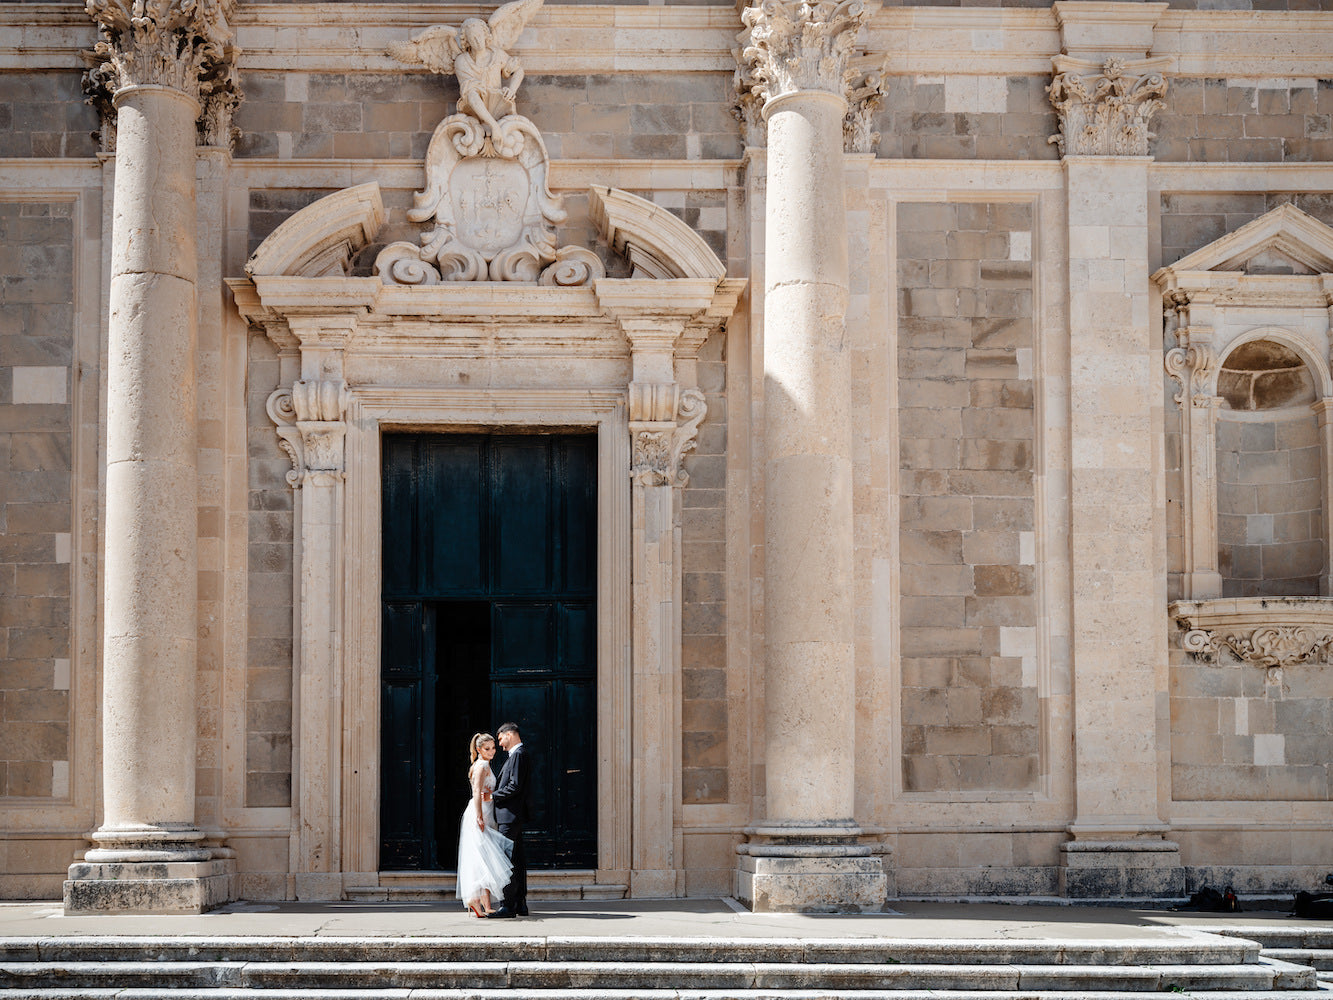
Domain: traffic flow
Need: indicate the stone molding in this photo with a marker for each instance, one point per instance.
(791, 46)
(1270, 632)
(186, 45)
(1106, 111)
(656, 242)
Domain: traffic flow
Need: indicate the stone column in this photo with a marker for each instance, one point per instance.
(149, 855)
(1116, 480)
(664, 419)
(806, 854)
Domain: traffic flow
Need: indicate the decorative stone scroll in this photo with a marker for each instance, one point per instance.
(794, 45)
(486, 200)
(865, 97)
(1191, 367)
(309, 419)
(1106, 112)
(1274, 633)
(660, 446)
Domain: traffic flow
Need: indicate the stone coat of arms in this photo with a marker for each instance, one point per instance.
(486, 199)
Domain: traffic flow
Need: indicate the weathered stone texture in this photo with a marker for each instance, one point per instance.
(268, 679)
(966, 438)
(1174, 4)
(1191, 221)
(1229, 121)
(43, 114)
(703, 593)
(1270, 506)
(36, 520)
(967, 117)
(1238, 734)
(657, 116)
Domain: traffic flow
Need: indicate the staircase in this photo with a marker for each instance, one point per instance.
(1308, 946)
(609, 968)
(438, 887)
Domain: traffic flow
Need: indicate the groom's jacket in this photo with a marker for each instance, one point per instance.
(513, 789)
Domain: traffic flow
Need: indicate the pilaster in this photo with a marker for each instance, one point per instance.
(800, 61)
(1117, 480)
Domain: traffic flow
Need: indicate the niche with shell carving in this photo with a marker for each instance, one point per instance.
(1269, 474)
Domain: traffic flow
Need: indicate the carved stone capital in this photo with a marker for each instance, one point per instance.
(1106, 112)
(790, 46)
(659, 446)
(182, 44)
(865, 97)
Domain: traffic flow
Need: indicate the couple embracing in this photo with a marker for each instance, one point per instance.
(491, 859)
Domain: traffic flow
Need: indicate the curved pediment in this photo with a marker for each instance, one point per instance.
(322, 239)
(658, 244)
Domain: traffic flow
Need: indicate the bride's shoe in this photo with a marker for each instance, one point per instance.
(472, 907)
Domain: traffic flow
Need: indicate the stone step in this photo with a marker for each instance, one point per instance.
(227, 993)
(415, 886)
(1317, 958)
(740, 977)
(1197, 949)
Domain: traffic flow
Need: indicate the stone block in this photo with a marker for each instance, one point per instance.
(193, 887)
(813, 885)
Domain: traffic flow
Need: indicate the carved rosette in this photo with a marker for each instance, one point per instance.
(659, 447)
(1191, 367)
(182, 44)
(1106, 113)
(309, 419)
(790, 46)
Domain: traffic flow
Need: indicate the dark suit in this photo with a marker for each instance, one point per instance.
(513, 803)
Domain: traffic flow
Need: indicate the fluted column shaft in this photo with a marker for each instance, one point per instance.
(809, 680)
(151, 520)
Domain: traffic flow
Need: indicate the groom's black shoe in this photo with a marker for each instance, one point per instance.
(522, 911)
(500, 913)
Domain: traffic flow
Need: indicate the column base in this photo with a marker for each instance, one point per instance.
(812, 869)
(149, 886)
(1120, 869)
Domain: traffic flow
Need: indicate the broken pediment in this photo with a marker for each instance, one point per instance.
(1285, 241)
(322, 239)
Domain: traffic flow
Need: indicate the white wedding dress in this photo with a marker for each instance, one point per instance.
(483, 855)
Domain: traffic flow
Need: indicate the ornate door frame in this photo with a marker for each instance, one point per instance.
(617, 356)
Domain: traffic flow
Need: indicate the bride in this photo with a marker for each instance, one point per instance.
(483, 852)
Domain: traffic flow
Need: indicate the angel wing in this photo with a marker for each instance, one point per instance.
(435, 48)
(508, 21)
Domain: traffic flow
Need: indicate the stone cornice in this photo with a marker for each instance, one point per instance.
(350, 37)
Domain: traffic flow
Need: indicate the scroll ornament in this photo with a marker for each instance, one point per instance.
(490, 213)
(1106, 114)
(309, 419)
(1191, 367)
(1271, 646)
(659, 452)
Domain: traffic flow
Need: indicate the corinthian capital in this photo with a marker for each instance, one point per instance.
(793, 45)
(182, 44)
(1106, 112)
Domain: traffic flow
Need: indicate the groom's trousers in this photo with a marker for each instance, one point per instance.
(516, 892)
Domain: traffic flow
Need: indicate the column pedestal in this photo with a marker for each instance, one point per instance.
(1120, 869)
(810, 869)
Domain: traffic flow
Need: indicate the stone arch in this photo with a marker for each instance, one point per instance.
(1317, 365)
(658, 244)
(321, 239)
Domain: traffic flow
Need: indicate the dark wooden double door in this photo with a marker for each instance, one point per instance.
(489, 598)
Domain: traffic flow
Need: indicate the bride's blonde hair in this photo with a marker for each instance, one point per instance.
(474, 748)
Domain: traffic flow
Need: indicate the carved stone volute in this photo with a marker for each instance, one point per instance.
(660, 445)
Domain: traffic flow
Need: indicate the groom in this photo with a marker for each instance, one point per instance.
(512, 795)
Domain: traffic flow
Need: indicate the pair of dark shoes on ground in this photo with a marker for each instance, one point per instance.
(503, 911)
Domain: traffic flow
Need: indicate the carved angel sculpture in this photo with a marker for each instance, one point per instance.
(477, 53)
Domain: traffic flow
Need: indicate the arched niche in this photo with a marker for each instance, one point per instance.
(1247, 342)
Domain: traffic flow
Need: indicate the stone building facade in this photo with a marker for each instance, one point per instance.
(875, 450)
